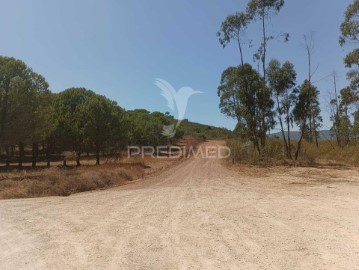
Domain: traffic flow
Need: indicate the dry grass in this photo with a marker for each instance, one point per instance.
(247, 154)
(328, 153)
(58, 181)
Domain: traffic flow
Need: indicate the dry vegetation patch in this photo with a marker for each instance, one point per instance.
(60, 181)
(327, 154)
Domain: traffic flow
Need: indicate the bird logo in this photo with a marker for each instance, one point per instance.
(176, 101)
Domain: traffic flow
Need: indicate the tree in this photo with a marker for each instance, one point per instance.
(312, 132)
(356, 126)
(350, 34)
(306, 108)
(262, 10)
(341, 115)
(23, 106)
(87, 121)
(244, 96)
(145, 128)
(228, 93)
(42, 124)
(335, 114)
(233, 28)
(282, 80)
(104, 124)
(70, 132)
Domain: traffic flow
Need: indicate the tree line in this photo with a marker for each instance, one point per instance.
(76, 120)
(268, 95)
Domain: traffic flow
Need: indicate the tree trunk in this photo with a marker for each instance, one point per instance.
(240, 51)
(262, 147)
(48, 159)
(264, 47)
(78, 156)
(35, 153)
(285, 139)
(282, 128)
(21, 154)
(97, 157)
(299, 146)
(7, 157)
(310, 130)
(315, 133)
(289, 141)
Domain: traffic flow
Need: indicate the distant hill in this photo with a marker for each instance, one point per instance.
(201, 130)
(324, 135)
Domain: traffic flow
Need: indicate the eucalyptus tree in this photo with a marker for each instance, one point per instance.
(312, 132)
(262, 10)
(306, 108)
(282, 80)
(244, 96)
(347, 99)
(233, 29)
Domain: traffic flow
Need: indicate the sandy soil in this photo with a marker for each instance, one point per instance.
(199, 214)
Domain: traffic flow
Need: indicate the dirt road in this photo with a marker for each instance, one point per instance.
(197, 215)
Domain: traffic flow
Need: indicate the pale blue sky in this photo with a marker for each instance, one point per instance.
(118, 48)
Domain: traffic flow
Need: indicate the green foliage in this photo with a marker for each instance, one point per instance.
(70, 132)
(25, 101)
(105, 125)
(243, 93)
(342, 106)
(204, 131)
(350, 33)
(88, 122)
(75, 120)
(233, 28)
(307, 113)
(350, 27)
(307, 107)
(244, 96)
(282, 80)
(263, 8)
(145, 128)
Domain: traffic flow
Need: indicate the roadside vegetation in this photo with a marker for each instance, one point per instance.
(267, 95)
(327, 154)
(61, 181)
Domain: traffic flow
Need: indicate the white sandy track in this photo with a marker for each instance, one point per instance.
(197, 215)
